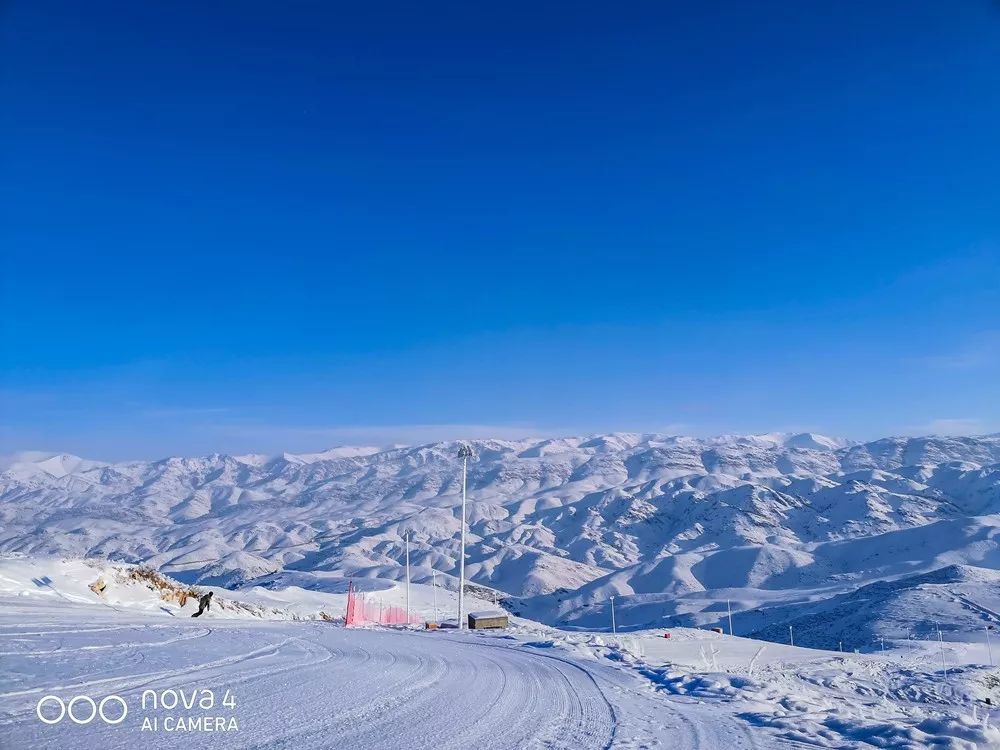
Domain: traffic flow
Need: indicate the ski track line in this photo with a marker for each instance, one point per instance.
(486, 720)
(13, 717)
(388, 705)
(154, 676)
(226, 678)
(15, 634)
(528, 669)
(139, 644)
(376, 698)
(533, 654)
(464, 734)
(696, 729)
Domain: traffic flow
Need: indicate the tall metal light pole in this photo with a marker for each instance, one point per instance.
(614, 627)
(434, 580)
(944, 663)
(407, 577)
(464, 453)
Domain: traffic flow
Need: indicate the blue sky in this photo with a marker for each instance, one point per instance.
(252, 227)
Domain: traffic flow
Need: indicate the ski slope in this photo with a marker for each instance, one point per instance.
(318, 685)
(278, 669)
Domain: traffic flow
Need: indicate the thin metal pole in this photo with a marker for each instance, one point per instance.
(791, 636)
(614, 627)
(841, 646)
(881, 640)
(461, 562)
(407, 577)
(434, 579)
(729, 609)
(944, 664)
(989, 647)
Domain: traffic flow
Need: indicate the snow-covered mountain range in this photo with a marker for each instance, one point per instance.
(670, 526)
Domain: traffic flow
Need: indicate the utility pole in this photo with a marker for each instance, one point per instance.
(729, 610)
(614, 627)
(464, 453)
(407, 577)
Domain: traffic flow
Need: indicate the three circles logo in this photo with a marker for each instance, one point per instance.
(82, 709)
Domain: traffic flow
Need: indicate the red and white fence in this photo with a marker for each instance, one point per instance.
(367, 610)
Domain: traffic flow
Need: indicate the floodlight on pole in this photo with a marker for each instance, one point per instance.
(464, 453)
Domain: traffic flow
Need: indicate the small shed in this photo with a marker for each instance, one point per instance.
(487, 620)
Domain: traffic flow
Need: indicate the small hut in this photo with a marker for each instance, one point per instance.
(487, 620)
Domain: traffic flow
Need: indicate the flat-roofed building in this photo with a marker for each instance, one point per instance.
(487, 620)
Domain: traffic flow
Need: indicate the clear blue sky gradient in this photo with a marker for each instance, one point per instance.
(255, 226)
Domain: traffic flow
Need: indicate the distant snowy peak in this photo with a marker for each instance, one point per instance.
(812, 441)
(28, 464)
(340, 451)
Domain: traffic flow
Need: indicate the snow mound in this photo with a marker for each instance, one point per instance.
(121, 587)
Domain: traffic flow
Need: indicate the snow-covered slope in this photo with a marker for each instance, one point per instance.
(671, 525)
(233, 680)
(959, 601)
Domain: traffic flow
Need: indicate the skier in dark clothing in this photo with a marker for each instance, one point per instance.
(204, 604)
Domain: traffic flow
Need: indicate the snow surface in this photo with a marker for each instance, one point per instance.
(310, 683)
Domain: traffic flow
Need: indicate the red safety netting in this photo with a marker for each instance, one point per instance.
(366, 610)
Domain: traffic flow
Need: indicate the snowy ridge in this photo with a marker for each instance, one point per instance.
(671, 525)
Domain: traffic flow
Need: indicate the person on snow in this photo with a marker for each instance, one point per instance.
(203, 604)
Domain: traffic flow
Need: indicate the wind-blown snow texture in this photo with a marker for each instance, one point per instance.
(672, 525)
